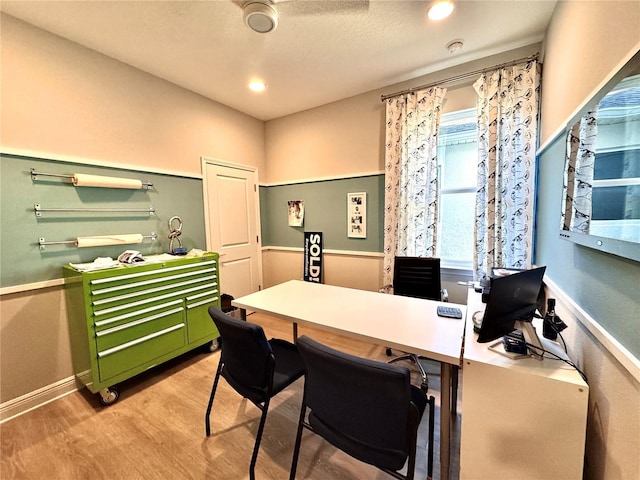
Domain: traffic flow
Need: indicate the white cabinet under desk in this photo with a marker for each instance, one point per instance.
(521, 418)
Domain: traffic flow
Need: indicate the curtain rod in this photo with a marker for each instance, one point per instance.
(462, 76)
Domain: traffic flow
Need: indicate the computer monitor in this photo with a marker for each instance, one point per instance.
(512, 298)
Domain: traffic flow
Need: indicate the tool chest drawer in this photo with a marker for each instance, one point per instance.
(113, 361)
(127, 319)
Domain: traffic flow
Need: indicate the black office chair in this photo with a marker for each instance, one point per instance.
(256, 368)
(367, 409)
(416, 277)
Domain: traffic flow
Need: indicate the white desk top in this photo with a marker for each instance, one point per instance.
(547, 367)
(404, 323)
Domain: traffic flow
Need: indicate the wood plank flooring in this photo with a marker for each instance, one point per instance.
(156, 429)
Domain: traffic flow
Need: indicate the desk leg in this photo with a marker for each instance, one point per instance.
(445, 419)
(455, 370)
(243, 314)
(295, 332)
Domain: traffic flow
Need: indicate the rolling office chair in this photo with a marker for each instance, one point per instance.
(256, 368)
(416, 277)
(367, 409)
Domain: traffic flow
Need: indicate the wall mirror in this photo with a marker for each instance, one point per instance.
(601, 193)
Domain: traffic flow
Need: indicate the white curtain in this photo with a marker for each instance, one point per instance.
(578, 174)
(411, 176)
(507, 110)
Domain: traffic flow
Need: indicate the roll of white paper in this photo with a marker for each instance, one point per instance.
(84, 180)
(99, 241)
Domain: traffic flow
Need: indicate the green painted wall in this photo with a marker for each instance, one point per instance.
(325, 204)
(604, 285)
(22, 260)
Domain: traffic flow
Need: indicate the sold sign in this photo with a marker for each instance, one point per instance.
(313, 257)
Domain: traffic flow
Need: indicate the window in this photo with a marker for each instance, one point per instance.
(457, 163)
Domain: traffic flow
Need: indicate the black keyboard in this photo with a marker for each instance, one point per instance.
(451, 312)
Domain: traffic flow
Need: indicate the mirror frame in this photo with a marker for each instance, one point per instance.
(621, 248)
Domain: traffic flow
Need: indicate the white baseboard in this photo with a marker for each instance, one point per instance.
(565, 304)
(37, 398)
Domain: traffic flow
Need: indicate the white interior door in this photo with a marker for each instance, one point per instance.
(232, 224)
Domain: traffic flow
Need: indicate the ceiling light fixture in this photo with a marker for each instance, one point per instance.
(260, 17)
(257, 86)
(440, 9)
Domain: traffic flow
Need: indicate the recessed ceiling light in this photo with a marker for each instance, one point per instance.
(440, 9)
(257, 86)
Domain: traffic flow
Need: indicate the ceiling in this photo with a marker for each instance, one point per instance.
(321, 51)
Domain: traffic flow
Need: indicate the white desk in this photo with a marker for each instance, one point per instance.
(523, 418)
(404, 323)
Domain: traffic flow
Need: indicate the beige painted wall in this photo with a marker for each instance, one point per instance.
(62, 99)
(282, 265)
(613, 422)
(347, 137)
(34, 341)
(585, 41)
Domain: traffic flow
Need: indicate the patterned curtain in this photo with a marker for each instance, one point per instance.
(507, 135)
(411, 176)
(578, 174)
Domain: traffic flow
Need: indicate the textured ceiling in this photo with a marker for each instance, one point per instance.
(322, 50)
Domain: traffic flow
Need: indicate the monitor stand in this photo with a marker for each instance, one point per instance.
(531, 337)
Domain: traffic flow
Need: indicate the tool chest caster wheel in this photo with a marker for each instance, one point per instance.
(109, 396)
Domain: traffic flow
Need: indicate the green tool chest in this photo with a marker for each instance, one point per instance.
(128, 319)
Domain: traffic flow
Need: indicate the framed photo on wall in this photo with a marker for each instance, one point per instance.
(295, 209)
(357, 215)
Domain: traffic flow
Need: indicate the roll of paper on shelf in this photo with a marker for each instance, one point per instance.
(99, 241)
(84, 180)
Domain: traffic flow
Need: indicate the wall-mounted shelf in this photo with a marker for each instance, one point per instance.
(39, 210)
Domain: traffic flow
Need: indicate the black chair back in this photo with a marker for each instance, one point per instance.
(246, 355)
(361, 406)
(256, 368)
(417, 277)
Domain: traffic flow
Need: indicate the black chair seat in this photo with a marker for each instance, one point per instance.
(390, 458)
(289, 366)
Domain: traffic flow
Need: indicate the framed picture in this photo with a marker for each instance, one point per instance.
(357, 215)
(295, 209)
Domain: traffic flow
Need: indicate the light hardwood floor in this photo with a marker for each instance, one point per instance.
(156, 429)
